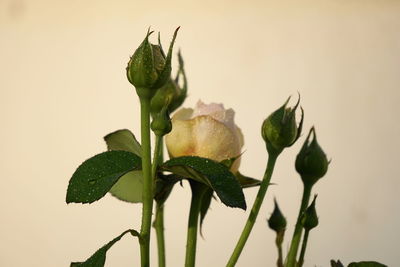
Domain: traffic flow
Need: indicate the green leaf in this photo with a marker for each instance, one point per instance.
(98, 259)
(366, 264)
(246, 181)
(95, 177)
(205, 205)
(123, 140)
(214, 174)
(129, 186)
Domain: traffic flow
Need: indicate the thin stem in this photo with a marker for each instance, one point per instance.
(193, 223)
(254, 211)
(303, 248)
(159, 219)
(147, 182)
(294, 245)
(159, 226)
(278, 242)
(156, 158)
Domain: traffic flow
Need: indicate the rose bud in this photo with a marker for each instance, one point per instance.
(161, 124)
(171, 90)
(208, 131)
(280, 129)
(309, 219)
(277, 221)
(149, 69)
(311, 162)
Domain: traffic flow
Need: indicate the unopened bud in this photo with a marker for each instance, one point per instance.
(149, 69)
(309, 219)
(277, 221)
(311, 162)
(161, 124)
(280, 129)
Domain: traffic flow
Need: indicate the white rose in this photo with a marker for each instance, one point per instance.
(208, 131)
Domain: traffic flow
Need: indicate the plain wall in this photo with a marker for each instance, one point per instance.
(63, 87)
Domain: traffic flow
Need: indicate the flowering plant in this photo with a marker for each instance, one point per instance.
(205, 146)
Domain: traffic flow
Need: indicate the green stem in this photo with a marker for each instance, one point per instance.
(294, 246)
(147, 182)
(303, 248)
(254, 211)
(193, 223)
(159, 226)
(159, 219)
(278, 242)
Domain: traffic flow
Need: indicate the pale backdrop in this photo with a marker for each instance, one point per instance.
(63, 87)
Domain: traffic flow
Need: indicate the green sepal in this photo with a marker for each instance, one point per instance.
(244, 181)
(247, 182)
(165, 73)
(97, 175)
(214, 174)
(98, 259)
(130, 186)
(366, 264)
(230, 161)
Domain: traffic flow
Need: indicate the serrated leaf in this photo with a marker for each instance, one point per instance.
(130, 186)
(366, 264)
(95, 177)
(246, 181)
(98, 259)
(205, 205)
(123, 140)
(214, 174)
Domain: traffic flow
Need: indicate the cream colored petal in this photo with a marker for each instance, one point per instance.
(180, 141)
(214, 140)
(240, 136)
(183, 114)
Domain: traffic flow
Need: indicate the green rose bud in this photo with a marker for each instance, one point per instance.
(311, 162)
(148, 69)
(161, 124)
(277, 221)
(309, 218)
(171, 90)
(280, 129)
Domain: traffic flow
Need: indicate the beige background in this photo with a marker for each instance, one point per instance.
(63, 87)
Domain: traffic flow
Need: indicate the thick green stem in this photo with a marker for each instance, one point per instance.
(159, 219)
(294, 245)
(147, 182)
(193, 223)
(254, 211)
(159, 226)
(303, 248)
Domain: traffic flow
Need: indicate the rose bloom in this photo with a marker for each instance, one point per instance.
(208, 131)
